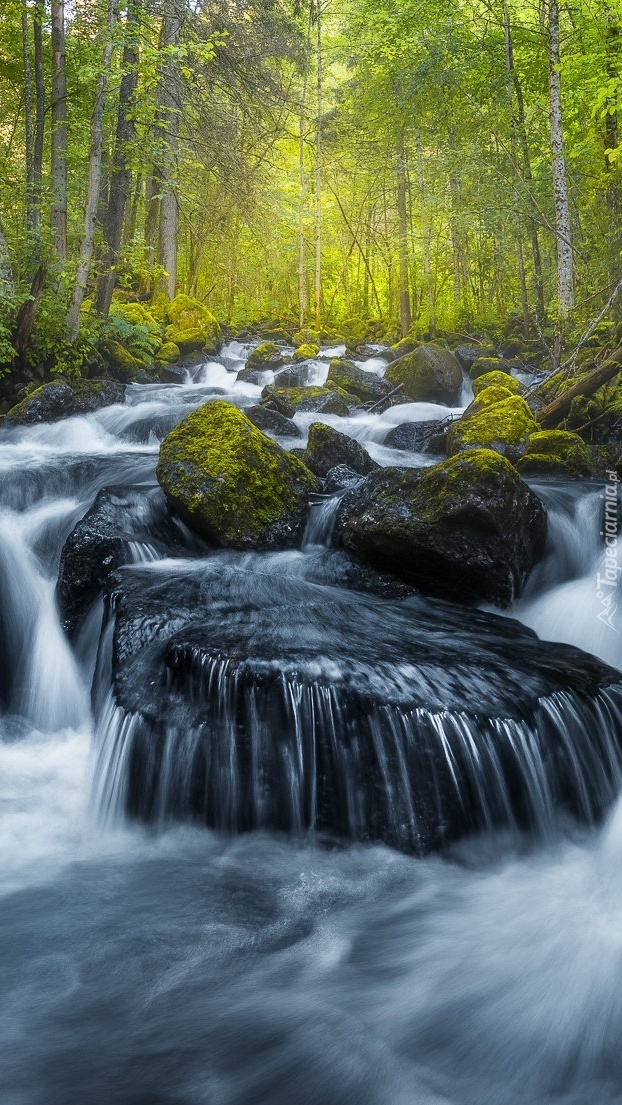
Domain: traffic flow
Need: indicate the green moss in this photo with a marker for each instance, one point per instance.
(428, 373)
(496, 379)
(329, 400)
(231, 482)
(137, 314)
(555, 452)
(354, 332)
(406, 345)
(192, 326)
(265, 357)
(168, 353)
(306, 352)
(487, 364)
(504, 427)
(121, 359)
(306, 337)
(487, 398)
(444, 484)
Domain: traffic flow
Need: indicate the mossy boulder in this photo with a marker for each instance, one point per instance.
(405, 345)
(496, 379)
(468, 529)
(347, 376)
(137, 314)
(429, 373)
(59, 399)
(354, 332)
(232, 484)
(121, 363)
(306, 337)
(487, 397)
(272, 422)
(503, 426)
(483, 365)
(327, 448)
(192, 326)
(555, 452)
(306, 352)
(168, 353)
(467, 355)
(316, 399)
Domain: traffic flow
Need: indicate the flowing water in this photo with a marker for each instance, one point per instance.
(187, 967)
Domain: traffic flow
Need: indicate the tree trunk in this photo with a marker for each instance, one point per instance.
(169, 129)
(426, 229)
(7, 285)
(37, 168)
(93, 180)
(28, 106)
(402, 215)
(563, 227)
(121, 177)
(553, 413)
(59, 131)
(27, 313)
(303, 302)
(318, 174)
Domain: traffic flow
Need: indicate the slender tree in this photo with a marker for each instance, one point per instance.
(59, 131)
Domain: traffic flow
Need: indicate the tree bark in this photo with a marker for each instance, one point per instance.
(37, 168)
(402, 215)
(28, 113)
(318, 173)
(121, 176)
(554, 412)
(169, 129)
(563, 227)
(426, 229)
(59, 131)
(27, 313)
(94, 179)
(7, 285)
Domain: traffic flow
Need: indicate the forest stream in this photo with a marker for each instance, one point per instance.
(317, 920)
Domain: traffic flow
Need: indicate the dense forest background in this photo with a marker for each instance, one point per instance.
(357, 166)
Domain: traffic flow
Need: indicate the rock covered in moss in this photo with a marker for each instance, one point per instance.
(272, 422)
(428, 373)
(121, 363)
(231, 483)
(468, 529)
(346, 375)
(327, 448)
(315, 399)
(405, 345)
(418, 437)
(306, 352)
(265, 358)
(503, 426)
(487, 397)
(306, 337)
(60, 399)
(168, 353)
(192, 326)
(354, 332)
(555, 452)
(484, 365)
(467, 355)
(496, 379)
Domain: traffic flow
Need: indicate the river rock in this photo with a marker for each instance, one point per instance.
(484, 365)
(327, 448)
(367, 387)
(192, 326)
(340, 478)
(418, 437)
(60, 399)
(232, 484)
(123, 525)
(555, 453)
(314, 399)
(468, 529)
(272, 422)
(466, 355)
(493, 421)
(256, 700)
(429, 373)
(496, 379)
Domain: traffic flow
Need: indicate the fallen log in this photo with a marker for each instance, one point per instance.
(556, 411)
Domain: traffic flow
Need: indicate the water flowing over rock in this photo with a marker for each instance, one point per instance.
(261, 701)
(60, 399)
(231, 483)
(468, 528)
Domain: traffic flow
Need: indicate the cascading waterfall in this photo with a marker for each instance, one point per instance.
(191, 966)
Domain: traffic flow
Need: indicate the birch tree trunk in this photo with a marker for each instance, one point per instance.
(563, 226)
(121, 177)
(7, 285)
(59, 132)
(94, 179)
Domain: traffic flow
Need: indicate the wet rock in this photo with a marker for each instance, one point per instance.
(340, 478)
(483, 365)
(261, 701)
(192, 326)
(418, 437)
(429, 373)
(466, 355)
(327, 448)
(294, 376)
(265, 358)
(496, 379)
(123, 525)
(232, 484)
(316, 399)
(61, 399)
(271, 422)
(467, 529)
(347, 376)
(306, 352)
(555, 453)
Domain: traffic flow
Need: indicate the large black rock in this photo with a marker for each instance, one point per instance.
(246, 698)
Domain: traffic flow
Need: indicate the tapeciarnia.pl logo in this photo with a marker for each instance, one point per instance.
(607, 583)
